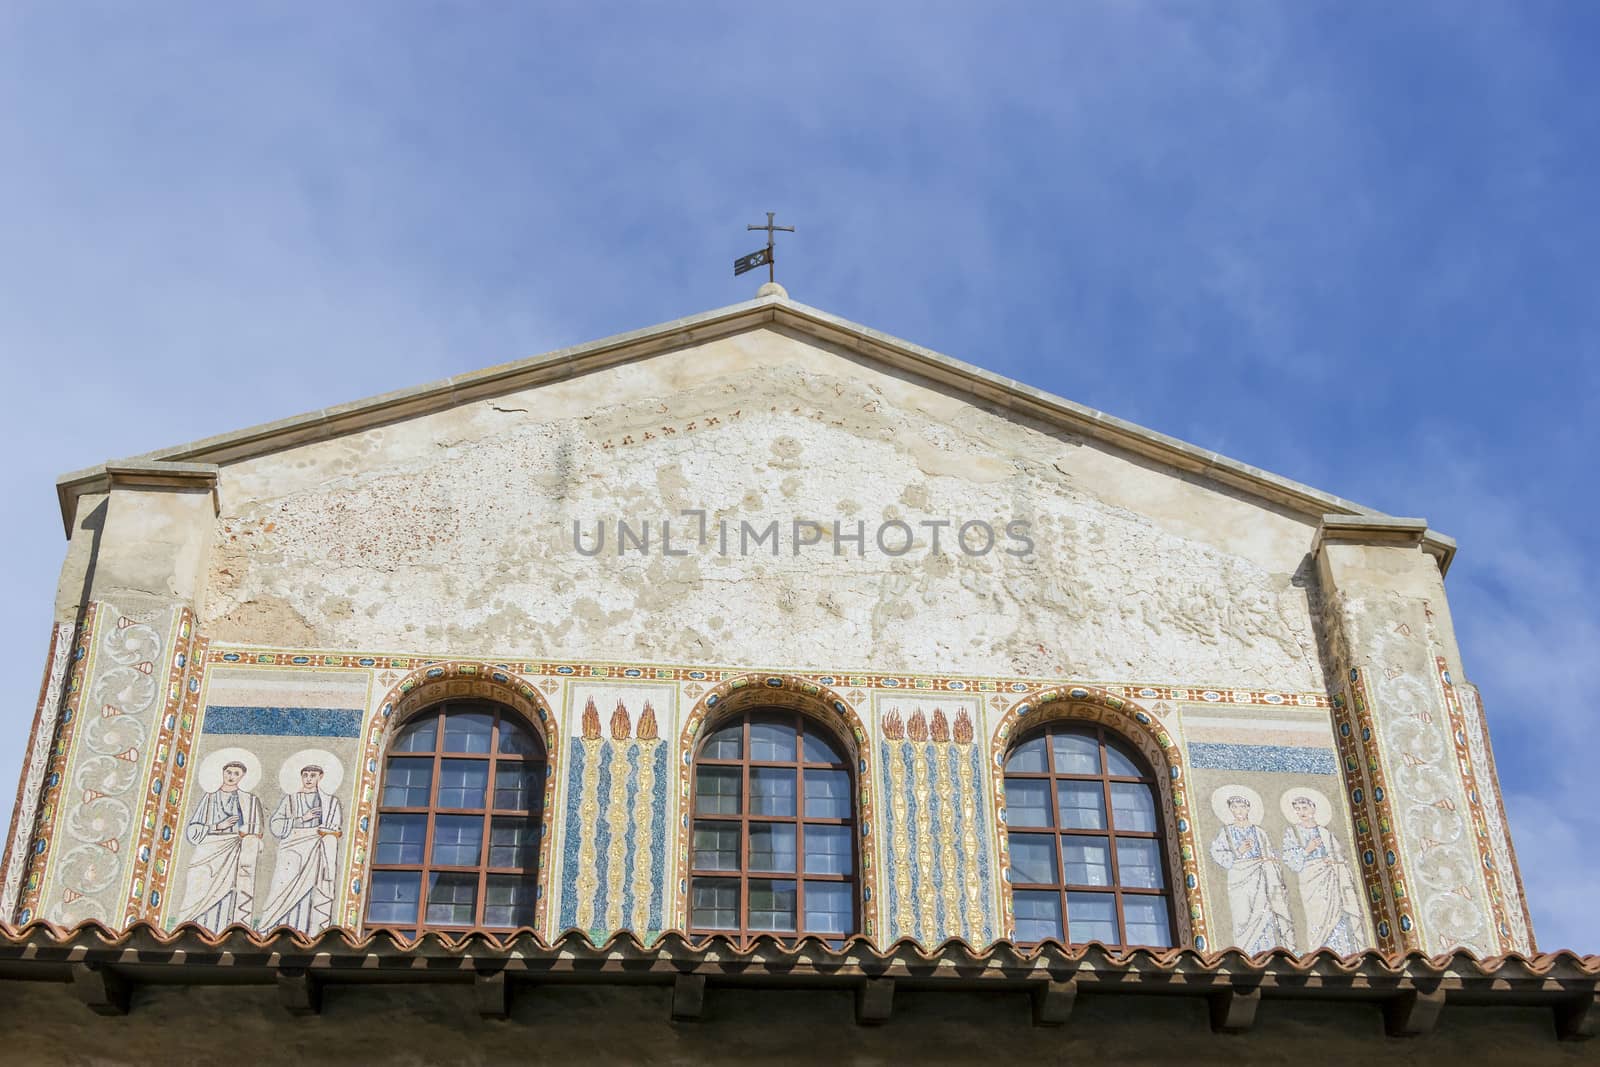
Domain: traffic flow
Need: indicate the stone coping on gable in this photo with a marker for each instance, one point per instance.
(1005, 393)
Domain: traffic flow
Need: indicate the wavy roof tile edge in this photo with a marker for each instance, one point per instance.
(678, 946)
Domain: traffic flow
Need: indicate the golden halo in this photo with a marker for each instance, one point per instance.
(1219, 803)
(209, 773)
(1323, 808)
(332, 770)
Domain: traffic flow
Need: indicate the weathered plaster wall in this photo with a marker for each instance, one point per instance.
(455, 530)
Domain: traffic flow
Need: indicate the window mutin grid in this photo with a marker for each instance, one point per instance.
(1087, 845)
(773, 830)
(459, 822)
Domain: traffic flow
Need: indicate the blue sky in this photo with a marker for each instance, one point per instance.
(1350, 243)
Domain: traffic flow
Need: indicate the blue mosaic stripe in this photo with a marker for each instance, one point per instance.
(913, 833)
(884, 758)
(658, 837)
(572, 839)
(1276, 758)
(631, 856)
(602, 840)
(984, 842)
(936, 828)
(282, 722)
(958, 830)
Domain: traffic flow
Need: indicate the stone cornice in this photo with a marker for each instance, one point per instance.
(1385, 530)
(140, 473)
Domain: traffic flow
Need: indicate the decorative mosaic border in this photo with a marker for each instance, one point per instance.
(83, 648)
(1480, 825)
(805, 695)
(1152, 739)
(422, 689)
(134, 906)
(598, 669)
(25, 810)
(1407, 936)
(177, 779)
(1358, 791)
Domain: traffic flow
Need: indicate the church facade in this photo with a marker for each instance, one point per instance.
(764, 631)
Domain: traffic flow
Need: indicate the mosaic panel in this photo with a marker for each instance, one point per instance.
(938, 879)
(614, 840)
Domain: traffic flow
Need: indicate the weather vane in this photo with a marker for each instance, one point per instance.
(756, 259)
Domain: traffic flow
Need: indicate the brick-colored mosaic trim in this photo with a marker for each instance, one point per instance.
(1480, 823)
(178, 670)
(1145, 731)
(170, 818)
(83, 645)
(809, 696)
(1358, 795)
(1407, 936)
(239, 656)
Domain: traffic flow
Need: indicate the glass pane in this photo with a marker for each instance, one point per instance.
(771, 905)
(771, 791)
(1033, 859)
(1076, 753)
(1028, 802)
(451, 899)
(1028, 757)
(829, 851)
(714, 903)
(400, 839)
(393, 901)
(725, 743)
(1119, 763)
(716, 790)
(457, 840)
(417, 735)
(716, 846)
(772, 740)
(1147, 921)
(1083, 805)
(827, 794)
(406, 783)
(467, 731)
(1139, 864)
(516, 786)
(1092, 917)
(516, 741)
(513, 843)
(819, 748)
(1038, 914)
(1133, 806)
(463, 783)
(830, 908)
(772, 847)
(1088, 860)
(508, 901)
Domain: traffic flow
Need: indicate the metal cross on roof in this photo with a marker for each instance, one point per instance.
(756, 259)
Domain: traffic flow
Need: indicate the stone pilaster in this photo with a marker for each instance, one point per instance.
(1420, 797)
(140, 536)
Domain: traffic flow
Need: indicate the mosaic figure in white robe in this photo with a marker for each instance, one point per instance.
(1257, 894)
(219, 885)
(1327, 886)
(308, 824)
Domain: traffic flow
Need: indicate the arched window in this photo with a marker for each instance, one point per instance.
(459, 819)
(1088, 861)
(774, 830)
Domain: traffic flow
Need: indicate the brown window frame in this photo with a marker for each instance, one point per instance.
(533, 814)
(1110, 834)
(743, 934)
